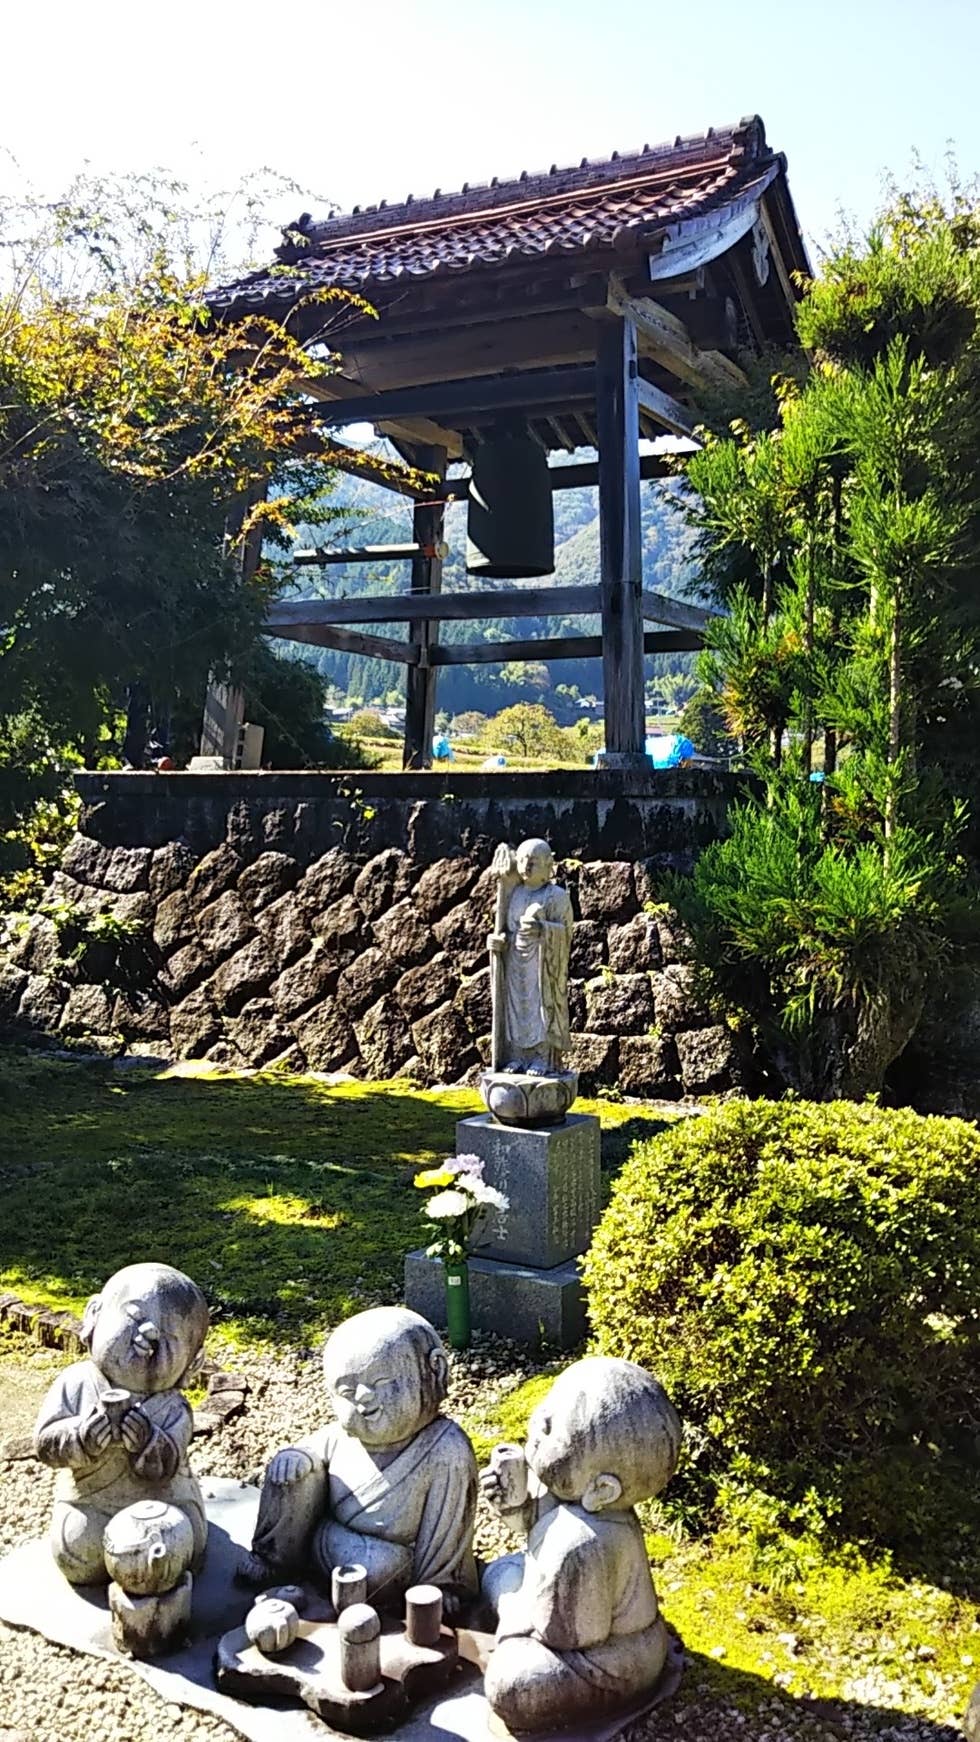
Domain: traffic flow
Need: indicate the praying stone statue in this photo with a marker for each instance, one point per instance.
(116, 1426)
(529, 952)
(391, 1486)
(579, 1632)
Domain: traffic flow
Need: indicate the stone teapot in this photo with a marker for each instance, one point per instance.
(148, 1547)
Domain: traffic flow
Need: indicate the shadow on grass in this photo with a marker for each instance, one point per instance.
(718, 1701)
(289, 1200)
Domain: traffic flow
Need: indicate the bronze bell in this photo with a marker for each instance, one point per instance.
(510, 521)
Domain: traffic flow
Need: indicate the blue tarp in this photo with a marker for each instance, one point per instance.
(442, 750)
(670, 750)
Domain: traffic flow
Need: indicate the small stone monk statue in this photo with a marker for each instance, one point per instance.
(390, 1486)
(532, 940)
(116, 1427)
(579, 1632)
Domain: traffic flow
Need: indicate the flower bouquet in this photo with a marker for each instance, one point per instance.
(464, 1213)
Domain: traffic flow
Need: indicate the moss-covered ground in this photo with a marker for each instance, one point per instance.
(291, 1200)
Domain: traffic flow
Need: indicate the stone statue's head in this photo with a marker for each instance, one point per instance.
(606, 1435)
(535, 863)
(146, 1328)
(387, 1373)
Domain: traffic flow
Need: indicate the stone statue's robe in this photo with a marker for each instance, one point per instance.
(536, 974)
(90, 1491)
(579, 1626)
(406, 1517)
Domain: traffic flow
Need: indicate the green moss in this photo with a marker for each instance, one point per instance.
(288, 1199)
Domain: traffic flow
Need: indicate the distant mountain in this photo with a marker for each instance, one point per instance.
(378, 517)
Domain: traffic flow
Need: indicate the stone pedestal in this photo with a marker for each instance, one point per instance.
(524, 1283)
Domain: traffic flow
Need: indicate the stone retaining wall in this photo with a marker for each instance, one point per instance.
(304, 921)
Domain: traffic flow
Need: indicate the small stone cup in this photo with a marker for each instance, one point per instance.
(115, 1404)
(510, 1468)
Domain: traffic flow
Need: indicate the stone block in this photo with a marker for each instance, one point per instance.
(217, 871)
(588, 948)
(193, 1025)
(268, 877)
(363, 982)
(87, 1011)
(709, 1062)
(224, 926)
(170, 867)
(444, 1046)
(634, 947)
(302, 984)
(285, 927)
(675, 939)
(620, 1004)
(462, 933)
(137, 1014)
(402, 934)
(441, 885)
(128, 869)
(648, 1066)
(257, 1032)
(243, 977)
(475, 1001)
(341, 927)
(12, 983)
(607, 891)
(678, 999)
(427, 986)
(42, 1001)
(385, 879)
(184, 969)
(173, 922)
(551, 1176)
(529, 1305)
(326, 1037)
(383, 1039)
(332, 876)
(596, 1059)
(86, 859)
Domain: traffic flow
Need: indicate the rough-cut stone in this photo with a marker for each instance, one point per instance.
(342, 930)
(278, 826)
(677, 998)
(128, 869)
(12, 983)
(303, 984)
(709, 1062)
(243, 830)
(39, 948)
(648, 1065)
(134, 1014)
(576, 1005)
(402, 934)
(325, 882)
(595, 1057)
(462, 933)
(607, 891)
(675, 939)
(173, 924)
(326, 1037)
(285, 928)
(184, 969)
(86, 859)
(443, 1043)
(170, 868)
(87, 1011)
(224, 926)
(635, 946)
(619, 1005)
(257, 1031)
(367, 977)
(442, 885)
(268, 877)
(194, 1025)
(426, 987)
(134, 909)
(385, 879)
(588, 948)
(217, 871)
(42, 1001)
(475, 1000)
(383, 1039)
(242, 977)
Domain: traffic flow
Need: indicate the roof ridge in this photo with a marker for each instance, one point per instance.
(745, 140)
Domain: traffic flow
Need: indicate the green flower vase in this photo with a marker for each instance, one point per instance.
(458, 1305)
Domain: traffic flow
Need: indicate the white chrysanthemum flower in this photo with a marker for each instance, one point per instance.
(470, 1166)
(489, 1196)
(446, 1206)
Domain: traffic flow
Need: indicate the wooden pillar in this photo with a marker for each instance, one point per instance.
(621, 556)
(420, 694)
(224, 705)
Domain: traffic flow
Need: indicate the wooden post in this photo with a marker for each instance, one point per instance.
(420, 693)
(621, 557)
(224, 706)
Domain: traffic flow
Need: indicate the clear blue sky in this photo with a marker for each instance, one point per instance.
(364, 101)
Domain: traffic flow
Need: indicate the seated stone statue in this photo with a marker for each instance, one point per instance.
(390, 1486)
(579, 1632)
(116, 1427)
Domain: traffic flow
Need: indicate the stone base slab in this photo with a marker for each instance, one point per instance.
(551, 1176)
(520, 1301)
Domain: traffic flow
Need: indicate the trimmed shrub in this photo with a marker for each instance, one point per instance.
(805, 1280)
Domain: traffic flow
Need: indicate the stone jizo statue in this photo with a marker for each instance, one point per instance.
(529, 952)
(579, 1631)
(390, 1486)
(116, 1426)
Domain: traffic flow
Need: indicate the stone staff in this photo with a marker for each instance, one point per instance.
(504, 868)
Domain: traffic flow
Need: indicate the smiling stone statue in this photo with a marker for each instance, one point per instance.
(116, 1427)
(391, 1486)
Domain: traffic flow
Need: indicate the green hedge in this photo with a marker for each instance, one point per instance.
(805, 1280)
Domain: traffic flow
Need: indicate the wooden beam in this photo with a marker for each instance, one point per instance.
(620, 546)
(585, 473)
(555, 647)
(659, 608)
(664, 408)
(446, 607)
(331, 388)
(696, 242)
(382, 363)
(776, 255)
(343, 640)
(533, 390)
(662, 335)
(368, 553)
(420, 693)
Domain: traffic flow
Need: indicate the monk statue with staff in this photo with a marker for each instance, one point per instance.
(529, 953)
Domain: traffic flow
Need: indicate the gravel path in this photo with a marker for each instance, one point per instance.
(48, 1694)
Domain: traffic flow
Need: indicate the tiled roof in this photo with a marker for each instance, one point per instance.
(595, 206)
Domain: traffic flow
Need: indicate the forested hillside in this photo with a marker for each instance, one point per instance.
(378, 517)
